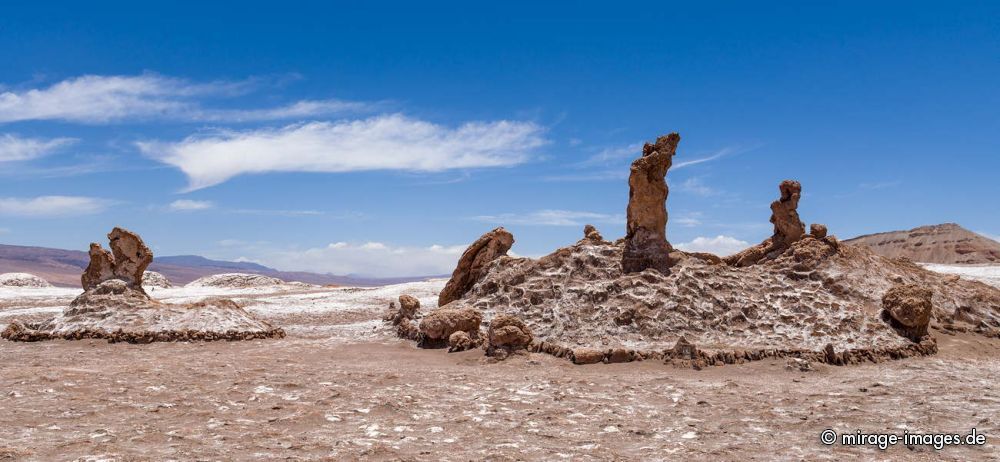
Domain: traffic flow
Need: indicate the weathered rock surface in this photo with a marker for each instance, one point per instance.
(590, 232)
(506, 334)
(153, 279)
(908, 308)
(817, 230)
(100, 268)
(22, 280)
(237, 281)
(131, 256)
(460, 341)
(474, 262)
(117, 309)
(587, 356)
(646, 243)
(438, 325)
(788, 228)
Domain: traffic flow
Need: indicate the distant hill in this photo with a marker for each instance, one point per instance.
(63, 268)
(946, 243)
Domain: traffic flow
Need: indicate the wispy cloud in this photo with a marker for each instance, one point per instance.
(186, 205)
(362, 258)
(15, 148)
(880, 185)
(96, 99)
(610, 163)
(718, 155)
(52, 206)
(551, 218)
(387, 142)
(719, 245)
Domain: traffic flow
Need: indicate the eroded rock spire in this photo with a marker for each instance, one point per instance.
(646, 243)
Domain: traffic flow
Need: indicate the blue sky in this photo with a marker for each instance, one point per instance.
(383, 139)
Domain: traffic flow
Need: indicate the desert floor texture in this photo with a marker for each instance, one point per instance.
(340, 386)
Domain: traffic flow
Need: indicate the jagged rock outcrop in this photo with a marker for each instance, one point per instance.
(473, 263)
(788, 228)
(591, 233)
(438, 325)
(817, 230)
(404, 316)
(646, 243)
(114, 306)
(908, 308)
(507, 334)
(100, 268)
(127, 261)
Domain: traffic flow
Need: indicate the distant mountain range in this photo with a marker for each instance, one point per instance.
(946, 243)
(63, 268)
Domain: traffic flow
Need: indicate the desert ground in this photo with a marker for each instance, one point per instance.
(340, 386)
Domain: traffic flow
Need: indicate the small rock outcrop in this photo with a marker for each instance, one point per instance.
(908, 307)
(591, 233)
(460, 341)
(817, 230)
(788, 228)
(404, 317)
(127, 261)
(153, 279)
(506, 335)
(646, 243)
(22, 280)
(473, 263)
(438, 325)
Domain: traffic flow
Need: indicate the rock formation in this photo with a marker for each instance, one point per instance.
(22, 280)
(153, 279)
(646, 243)
(817, 230)
(474, 262)
(591, 233)
(460, 341)
(127, 260)
(438, 325)
(908, 308)
(403, 317)
(788, 228)
(507, 334)
(115, 307)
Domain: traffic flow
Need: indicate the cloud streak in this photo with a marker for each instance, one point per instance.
(14, 148)
(96, 99)
(187, 205)
(366, 258)
(52, 206)
(387, 142)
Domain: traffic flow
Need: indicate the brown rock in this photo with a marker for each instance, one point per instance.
(817, 230)
(908, 308)
(131, 256)
(591, 233)
(684, 349)
(788, 228)
(587, 356)
(100, 268)
(621, 355)
(460, 341)
(408, 306)
(474, 262)
(438, 325)
(507, 333)
(646, 243)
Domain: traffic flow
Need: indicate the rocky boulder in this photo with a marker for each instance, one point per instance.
(127, 261)
(591, 233)
(907, 307)
(438, 325)
(474, 262)
(788, 228)
(460, 341)
(507, 334)
(646, 243)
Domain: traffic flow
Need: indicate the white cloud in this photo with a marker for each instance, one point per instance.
(551, 218)
(48, 206)
(189, 205)
(718, 155)
(15, 148)
(719, 245)
(387, 142)
(95, 99)
(369, 259)
(697, 187)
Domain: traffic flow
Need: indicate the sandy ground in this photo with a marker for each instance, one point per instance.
(340, 388)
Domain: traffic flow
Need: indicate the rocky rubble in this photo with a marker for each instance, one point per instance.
(115, 307)
(796, 295)
(153, 279)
